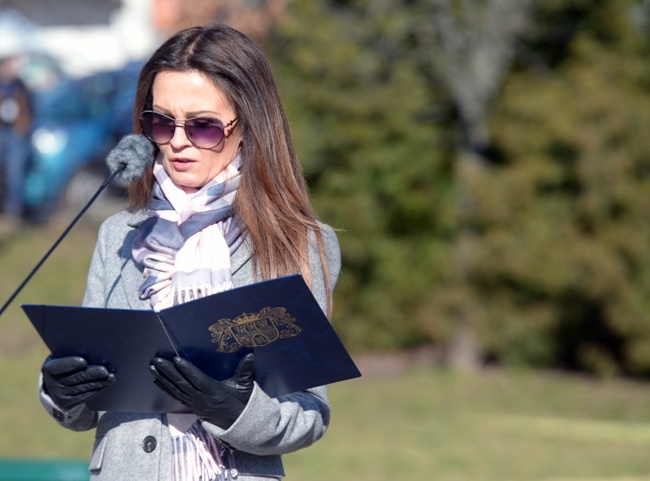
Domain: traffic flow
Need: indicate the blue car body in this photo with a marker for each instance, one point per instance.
(76, 125)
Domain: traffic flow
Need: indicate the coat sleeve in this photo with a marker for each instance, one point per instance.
(275, 426)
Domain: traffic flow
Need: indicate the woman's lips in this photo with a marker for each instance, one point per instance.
(183, 164)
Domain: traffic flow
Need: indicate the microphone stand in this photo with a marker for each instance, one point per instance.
(65, 232)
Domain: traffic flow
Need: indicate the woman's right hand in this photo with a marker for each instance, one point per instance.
(70, 381)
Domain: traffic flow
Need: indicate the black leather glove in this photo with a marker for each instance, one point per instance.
(70, 381)
(219, 402)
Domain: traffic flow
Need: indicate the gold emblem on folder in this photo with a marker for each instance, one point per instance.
(254, 329)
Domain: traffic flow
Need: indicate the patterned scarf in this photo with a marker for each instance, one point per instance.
(185, 246)
(186, 242)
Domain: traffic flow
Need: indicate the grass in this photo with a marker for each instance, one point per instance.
(422, 422)
(429, 423)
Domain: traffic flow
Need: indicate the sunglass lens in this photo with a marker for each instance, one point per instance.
(204, 132)
(157, 127)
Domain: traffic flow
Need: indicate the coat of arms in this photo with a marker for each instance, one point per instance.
(254, 329)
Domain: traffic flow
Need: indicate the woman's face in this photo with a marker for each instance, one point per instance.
(184, 95)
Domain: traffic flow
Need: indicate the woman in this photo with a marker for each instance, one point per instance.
(224, 204)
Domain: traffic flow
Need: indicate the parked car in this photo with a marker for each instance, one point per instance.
(77, 123)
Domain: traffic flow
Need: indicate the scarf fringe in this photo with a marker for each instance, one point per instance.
(197, 456)
(182, 294)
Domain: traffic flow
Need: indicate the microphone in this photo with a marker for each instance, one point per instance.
(127, 162)
(130, 158)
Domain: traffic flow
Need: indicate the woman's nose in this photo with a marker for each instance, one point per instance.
(179, 139)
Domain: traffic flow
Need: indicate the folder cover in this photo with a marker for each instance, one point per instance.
(279, 320)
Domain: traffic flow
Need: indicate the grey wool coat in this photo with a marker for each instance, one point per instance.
(137, 446)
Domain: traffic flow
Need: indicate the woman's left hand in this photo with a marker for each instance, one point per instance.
(219, 402)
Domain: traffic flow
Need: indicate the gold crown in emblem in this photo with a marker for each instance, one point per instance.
(246, 318)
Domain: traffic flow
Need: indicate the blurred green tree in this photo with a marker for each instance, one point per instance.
(469, 46)
(488, 169)
(565, 257)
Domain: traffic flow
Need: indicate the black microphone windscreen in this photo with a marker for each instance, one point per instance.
(132, 155)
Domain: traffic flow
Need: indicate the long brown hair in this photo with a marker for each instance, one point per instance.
(272, 203)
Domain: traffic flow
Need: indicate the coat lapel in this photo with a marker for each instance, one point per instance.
(131, 274)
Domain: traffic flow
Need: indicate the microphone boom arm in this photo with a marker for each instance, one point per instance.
(65, 232)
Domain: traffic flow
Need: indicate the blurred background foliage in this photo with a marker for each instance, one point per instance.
(488, 169)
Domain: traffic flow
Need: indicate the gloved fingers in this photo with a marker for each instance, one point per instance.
(168, 378)
(172, 391)
(245, 374)
(163, 367)
(74, 390)
(64, 365)
(243, 382)
(67, 397)
(69, 401)
(91, 374)
(197, 378)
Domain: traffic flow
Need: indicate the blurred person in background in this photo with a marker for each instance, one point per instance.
(224, 204)
(15, 129)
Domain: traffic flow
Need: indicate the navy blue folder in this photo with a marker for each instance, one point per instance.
(279, 320)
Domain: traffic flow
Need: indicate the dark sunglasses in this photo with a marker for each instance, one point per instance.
(203, 132)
